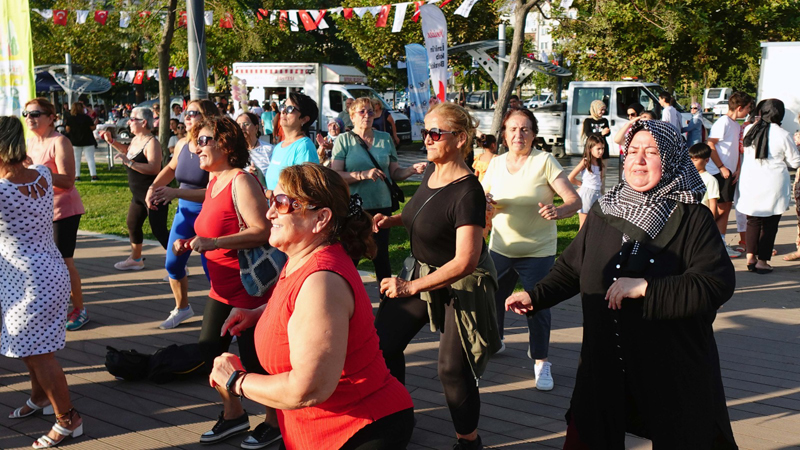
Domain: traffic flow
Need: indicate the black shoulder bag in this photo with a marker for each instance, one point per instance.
(394, 189)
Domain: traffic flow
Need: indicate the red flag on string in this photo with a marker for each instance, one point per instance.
(139, 77)
(101, 17)
(308, 21)
(383, 15)
(415, 17)
(60, 17)
(226, 21)
(283, 17)
(444, 3)
(348, 13)
(182, 20)
(262, 14)
(144, 14)
(320, 17)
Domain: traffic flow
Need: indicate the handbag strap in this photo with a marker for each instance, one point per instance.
(371, 158)
(242, 224)
(414, 219)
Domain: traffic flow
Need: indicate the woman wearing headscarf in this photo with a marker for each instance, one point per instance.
(651, 272)
(694, 129)
(764, 182)
(597, 124)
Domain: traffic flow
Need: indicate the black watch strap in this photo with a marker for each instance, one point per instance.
(232, 381)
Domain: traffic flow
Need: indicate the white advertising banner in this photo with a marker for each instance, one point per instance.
(434, 29)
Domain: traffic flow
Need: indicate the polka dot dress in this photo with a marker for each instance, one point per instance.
(34, 294)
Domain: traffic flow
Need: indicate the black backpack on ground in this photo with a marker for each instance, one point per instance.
(127, 364)
(176, 362)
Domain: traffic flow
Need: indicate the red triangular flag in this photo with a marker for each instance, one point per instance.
(226, 21)
(182, 20)
(444, 3)
(308, 22)
(139, 77)
(283, 17)
(60, 17)
(348, 13)
(144, 14)
(415, 17)
(225, 70)
(383, 16)
(262, 14)
(101, 17)
(320, 17)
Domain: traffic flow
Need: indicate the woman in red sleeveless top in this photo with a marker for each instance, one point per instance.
(316, 335)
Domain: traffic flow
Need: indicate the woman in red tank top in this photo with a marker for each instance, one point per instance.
(316, 335)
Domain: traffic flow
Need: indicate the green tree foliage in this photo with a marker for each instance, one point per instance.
(680, 43)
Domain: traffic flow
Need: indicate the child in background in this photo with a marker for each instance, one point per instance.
(489, 144)
(700, 154)
(593, 177)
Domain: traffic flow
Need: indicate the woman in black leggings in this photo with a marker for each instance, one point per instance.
(142, 157)
(453, 281)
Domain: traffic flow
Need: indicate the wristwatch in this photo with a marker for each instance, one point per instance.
(232, 381)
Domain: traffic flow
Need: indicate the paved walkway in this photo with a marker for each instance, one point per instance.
(757, 333)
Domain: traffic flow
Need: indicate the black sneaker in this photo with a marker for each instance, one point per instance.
(261, 437)
(225, 428)
(463, 444)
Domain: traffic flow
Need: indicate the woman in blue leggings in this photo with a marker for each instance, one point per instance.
(185, 168)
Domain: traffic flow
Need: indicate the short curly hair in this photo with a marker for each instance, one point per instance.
(229, 137)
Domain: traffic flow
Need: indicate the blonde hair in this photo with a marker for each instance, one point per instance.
(357, 103)
(458, 120)
(77, 108)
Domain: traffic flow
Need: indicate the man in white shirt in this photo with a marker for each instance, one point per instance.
(725, 142)
(670, 114)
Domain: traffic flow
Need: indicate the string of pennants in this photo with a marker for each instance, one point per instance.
(139, 76)
(308, 19)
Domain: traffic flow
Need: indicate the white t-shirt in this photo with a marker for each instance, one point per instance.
(671, 115)
(728, 131)
(712, 187)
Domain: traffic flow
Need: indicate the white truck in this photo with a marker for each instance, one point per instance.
(328, 84)
(779, 63)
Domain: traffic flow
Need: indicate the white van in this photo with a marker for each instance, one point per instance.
(712, 96)
(328, 84)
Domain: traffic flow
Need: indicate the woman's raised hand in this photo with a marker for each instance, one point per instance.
(106, 136)
(394, 287)
(224, 365)
(625, 288)
(519, 302)
(240, 319)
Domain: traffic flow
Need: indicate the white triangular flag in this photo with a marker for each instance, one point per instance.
(337, 10)
(565, 4)
(81, 15)
(272, 16)
(361, 11)
(121, 75)
(124, 21)
(465, 8)
(401, 64)
(293, 20)
(399, 16)
(129, 75)
(151, 73)
(374, 10)
(209, 18)
(46, 13)
(179, 73)
(321, 23)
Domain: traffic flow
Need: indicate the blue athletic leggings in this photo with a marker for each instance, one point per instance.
(183, 228)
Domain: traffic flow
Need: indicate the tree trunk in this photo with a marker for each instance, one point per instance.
(521, 12)
(164, 93)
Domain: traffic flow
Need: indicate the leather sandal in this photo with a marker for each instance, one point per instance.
(48, 442)
(46, 410)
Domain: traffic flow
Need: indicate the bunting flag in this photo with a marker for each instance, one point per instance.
(151, 73)
(283, 17)
(319, 18)
(383, 15)
(124, 19)
(81, 15)
(46, 14)
(399, 16)
(262, 14)
(60, 17)
(208, 17)
(139, 77)
(415, 17)
(144, 15)
(348, 13)
(337, 10)
(465, 8)
(293, 20)
(272, 16)
(565, 4)
(226, 21)
(129, 76)
(444, 3)
(361, 11)
(182, 20)
(307, 20)
(101, 17)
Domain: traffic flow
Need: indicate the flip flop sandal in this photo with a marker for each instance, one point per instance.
(46, 410)
(48, 442)
(794, 256)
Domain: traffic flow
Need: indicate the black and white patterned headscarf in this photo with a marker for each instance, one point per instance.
(680, 182)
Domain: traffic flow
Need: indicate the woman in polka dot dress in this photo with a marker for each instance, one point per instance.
(35, 291)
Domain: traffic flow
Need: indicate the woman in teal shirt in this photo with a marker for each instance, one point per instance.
(351, 159)
(298, 112)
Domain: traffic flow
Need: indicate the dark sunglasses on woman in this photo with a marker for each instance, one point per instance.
(285, 204)
(192, 113)
(288, 109)
(435, 133)
(32, 114)
(202, 141)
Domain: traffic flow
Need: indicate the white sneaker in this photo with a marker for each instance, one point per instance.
(176, 316)
(129, 264)
(544, 380)
(731, 252)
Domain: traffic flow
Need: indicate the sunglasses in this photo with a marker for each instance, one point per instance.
(288, 109)
(693, 107)
(285, 204)
(631, 115)
(137, 119)
(192, 113)
(32, 114)
(366, 112)
(245, 124)
(202, 141)
(434, 133)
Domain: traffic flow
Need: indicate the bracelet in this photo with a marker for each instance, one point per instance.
(216, 246)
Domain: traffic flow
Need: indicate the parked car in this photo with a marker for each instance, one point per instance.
(539, 100)
(720, 109)
(712, 96)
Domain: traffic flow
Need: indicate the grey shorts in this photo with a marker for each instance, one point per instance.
(588, 197)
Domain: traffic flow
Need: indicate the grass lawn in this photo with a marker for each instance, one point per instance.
(106, 202)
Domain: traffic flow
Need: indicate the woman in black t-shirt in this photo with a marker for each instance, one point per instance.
(445, 220)
(597, 124)
(79, 130)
